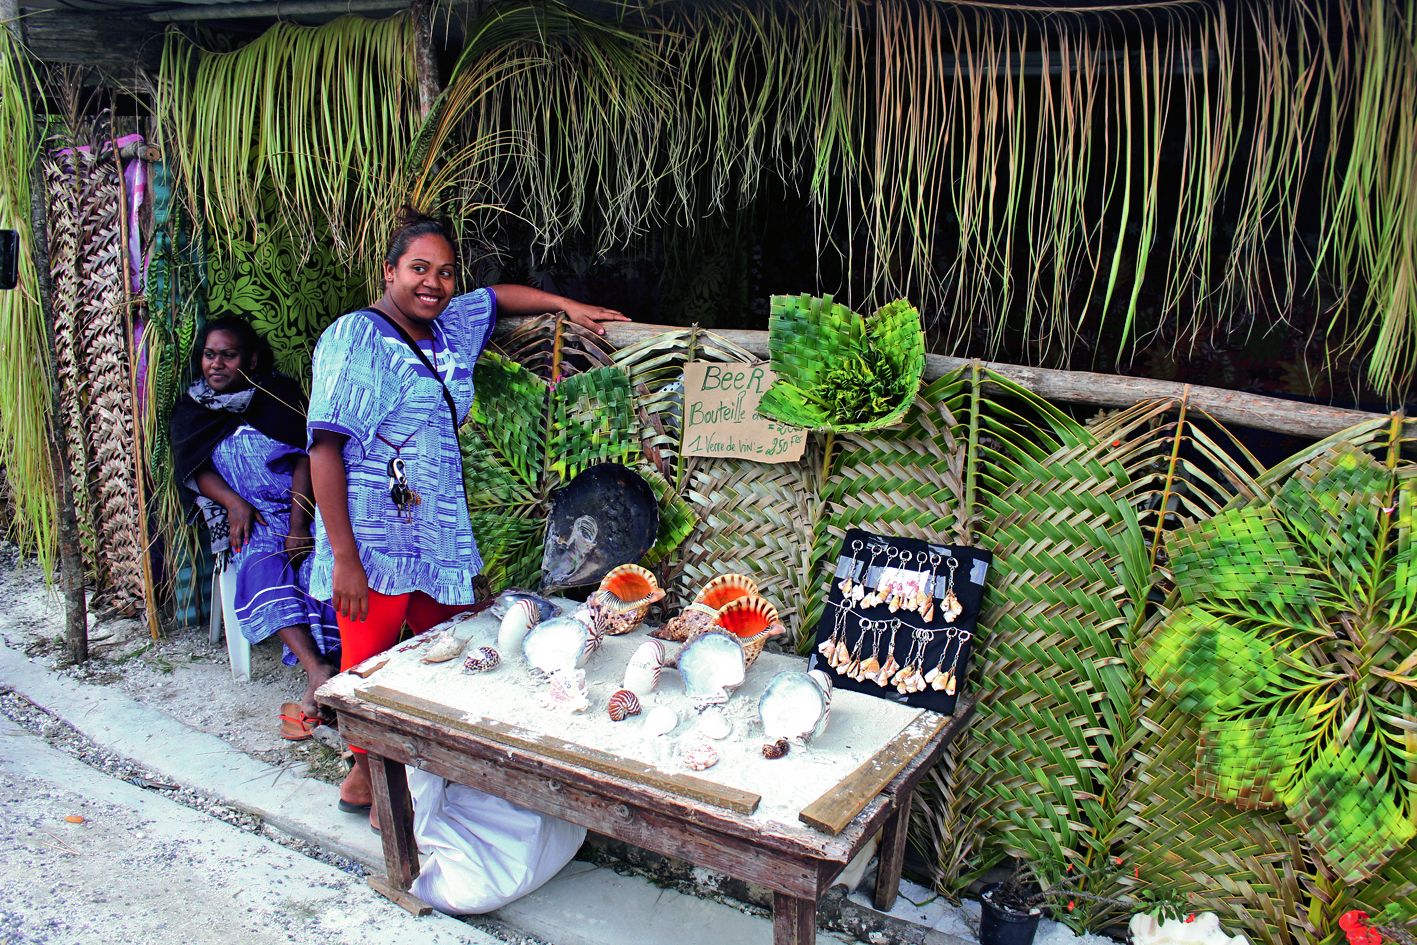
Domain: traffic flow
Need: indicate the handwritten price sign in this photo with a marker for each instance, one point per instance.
(721, 415)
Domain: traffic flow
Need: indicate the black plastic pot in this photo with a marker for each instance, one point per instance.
(1000, 925)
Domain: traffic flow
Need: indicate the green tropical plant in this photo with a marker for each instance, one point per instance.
(1293, 635)
(527, 435)
(321, 117)
(25, 375)
(839, 372)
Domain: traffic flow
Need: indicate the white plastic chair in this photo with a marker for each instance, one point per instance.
(224, 613)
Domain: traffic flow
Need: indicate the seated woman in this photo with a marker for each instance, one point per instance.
(238, 439)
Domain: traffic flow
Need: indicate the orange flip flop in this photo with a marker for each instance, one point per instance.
(295, 725)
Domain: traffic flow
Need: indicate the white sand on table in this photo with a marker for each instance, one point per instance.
(859, 725)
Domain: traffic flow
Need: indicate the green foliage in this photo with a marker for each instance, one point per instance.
(526, 437)
(25, 375)
(837, 372)
(1291, 635)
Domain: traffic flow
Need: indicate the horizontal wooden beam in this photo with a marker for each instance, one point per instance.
(1232, 407)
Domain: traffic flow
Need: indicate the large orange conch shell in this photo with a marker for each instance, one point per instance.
(702, 612)
(725, 589)
(752, 620)
(624, 598)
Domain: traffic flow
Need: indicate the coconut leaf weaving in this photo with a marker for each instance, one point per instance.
(838, 372)
(528, 434)
(1305, 593)
(96, 368)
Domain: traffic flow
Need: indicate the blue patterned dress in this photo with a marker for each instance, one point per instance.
(270, 594)
(371, 388)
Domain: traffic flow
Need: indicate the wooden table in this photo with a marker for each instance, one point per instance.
(668, 816)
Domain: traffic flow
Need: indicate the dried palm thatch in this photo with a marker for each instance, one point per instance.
(321, 116)
(96, 374)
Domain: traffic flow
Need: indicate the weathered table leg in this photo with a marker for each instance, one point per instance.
(794, 921)
(892, 855)
(394, 806)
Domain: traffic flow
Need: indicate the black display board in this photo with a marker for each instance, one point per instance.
(900, 618)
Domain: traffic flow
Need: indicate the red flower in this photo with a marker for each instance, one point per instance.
(1072, 904)
(1353, 919)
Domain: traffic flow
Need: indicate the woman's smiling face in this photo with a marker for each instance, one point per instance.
(421, 282)
(223, 362)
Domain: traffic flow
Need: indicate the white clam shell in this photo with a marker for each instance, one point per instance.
(714, 724)
(558, 643)
(712, 666)
(794, 705)
(520, 617)
(661, 720)
(643, 669)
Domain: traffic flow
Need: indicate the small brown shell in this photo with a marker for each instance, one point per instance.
(622, 705)
(481, 660)
(775, 749)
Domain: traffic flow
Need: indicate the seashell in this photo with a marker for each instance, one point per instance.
(841, 655)
(747, 616)
(446, 647)
(724, 589)
(712, 665)
(555, 644)
(481, 660)
(660, 720)
(775, 749)
(698, 756)
(643, 669)
(794, 706)
(827, 647)
(541, 607)
(568, 690)
(623, 704)
(932, 675)
(516, 623)
(714, 724)
(692, 621)
(869, 667)
(624, 597)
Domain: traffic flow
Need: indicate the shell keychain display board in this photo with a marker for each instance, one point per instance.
(900, 618)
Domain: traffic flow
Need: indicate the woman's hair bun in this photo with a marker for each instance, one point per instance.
(410, 222)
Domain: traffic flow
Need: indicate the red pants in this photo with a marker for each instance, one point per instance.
(361, 639)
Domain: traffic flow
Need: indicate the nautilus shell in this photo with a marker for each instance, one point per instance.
(643, 669)
(623, 704)
(795, 705)
(543, 608)
(516, 623)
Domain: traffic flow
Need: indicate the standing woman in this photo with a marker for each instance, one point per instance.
(392, 383)
(238, 442)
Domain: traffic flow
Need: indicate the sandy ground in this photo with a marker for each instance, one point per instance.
(184, 675)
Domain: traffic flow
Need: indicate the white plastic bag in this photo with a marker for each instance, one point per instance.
(482, 852)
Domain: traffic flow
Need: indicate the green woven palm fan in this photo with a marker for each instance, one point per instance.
(838, 372)
(1292, 635)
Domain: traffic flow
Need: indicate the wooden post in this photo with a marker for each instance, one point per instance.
(425, 56)
(71, 563)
